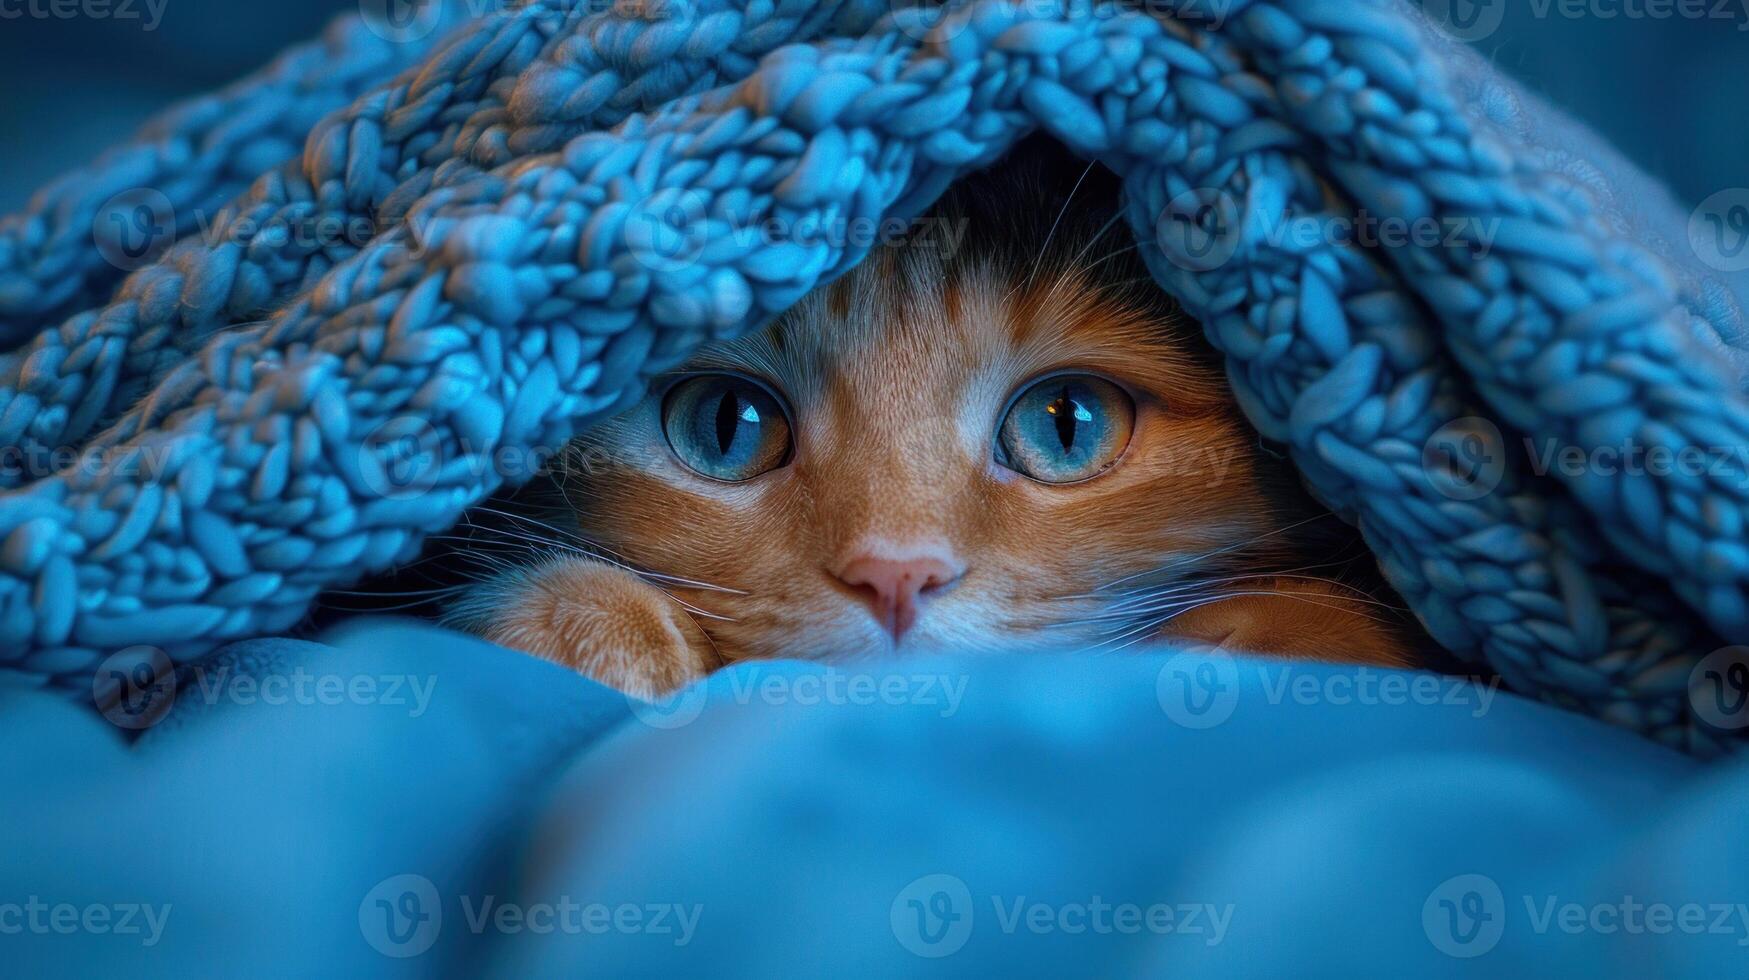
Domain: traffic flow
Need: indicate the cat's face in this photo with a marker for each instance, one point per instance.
(927, 455)
(1015, 442)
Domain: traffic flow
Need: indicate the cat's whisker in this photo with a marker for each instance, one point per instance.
(1133, 635)
(693, 613)
(609, 556)
(415, 597)
(1154, 623)
(531, 544)
(1075, 270)
(496, 564)
(696, 611)
(1151, 625)
(596, 552)
(400, 607)
(515, 539)
(1116, 254)
(537, 549)
(676, 581)
(524, 518)
(1191, 593)
(1126, 283)
(444, 590)
(1143, 597)
(1151, 610)
(480, 549)
(1325, 602)
(1044, 249)
(1206, 555)
(549, 536)
(1102, 647)
(1145, 611)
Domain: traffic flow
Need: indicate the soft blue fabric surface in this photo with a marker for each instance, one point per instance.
(556, 202)
(794, 809)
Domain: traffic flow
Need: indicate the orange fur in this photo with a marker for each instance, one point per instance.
(897, 376)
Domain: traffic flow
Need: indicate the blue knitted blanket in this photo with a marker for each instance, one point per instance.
(299, 325)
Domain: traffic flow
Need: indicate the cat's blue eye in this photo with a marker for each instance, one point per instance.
(1066, 428)
(726, 427)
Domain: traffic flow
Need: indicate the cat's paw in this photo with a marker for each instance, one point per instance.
(1299, 618)
(600, 620)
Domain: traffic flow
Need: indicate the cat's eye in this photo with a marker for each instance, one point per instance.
(1066, 428)
(726, 427)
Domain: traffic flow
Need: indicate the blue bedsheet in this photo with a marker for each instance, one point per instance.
(399, 801)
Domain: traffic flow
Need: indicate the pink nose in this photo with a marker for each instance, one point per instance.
(895, 587)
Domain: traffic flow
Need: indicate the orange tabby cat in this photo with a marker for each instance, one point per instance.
(1018, 442)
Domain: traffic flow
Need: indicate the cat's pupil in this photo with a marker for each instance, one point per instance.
(1068, 415)
(728, 420)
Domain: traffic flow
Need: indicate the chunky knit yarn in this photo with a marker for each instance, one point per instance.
(556, 201)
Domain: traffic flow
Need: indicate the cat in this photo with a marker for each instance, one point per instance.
(1006, 438)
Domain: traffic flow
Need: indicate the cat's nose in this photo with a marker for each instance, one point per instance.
(895, 587)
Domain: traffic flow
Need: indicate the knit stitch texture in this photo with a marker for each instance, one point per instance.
(437, 250)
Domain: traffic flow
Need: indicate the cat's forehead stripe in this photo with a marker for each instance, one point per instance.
(886, 331)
